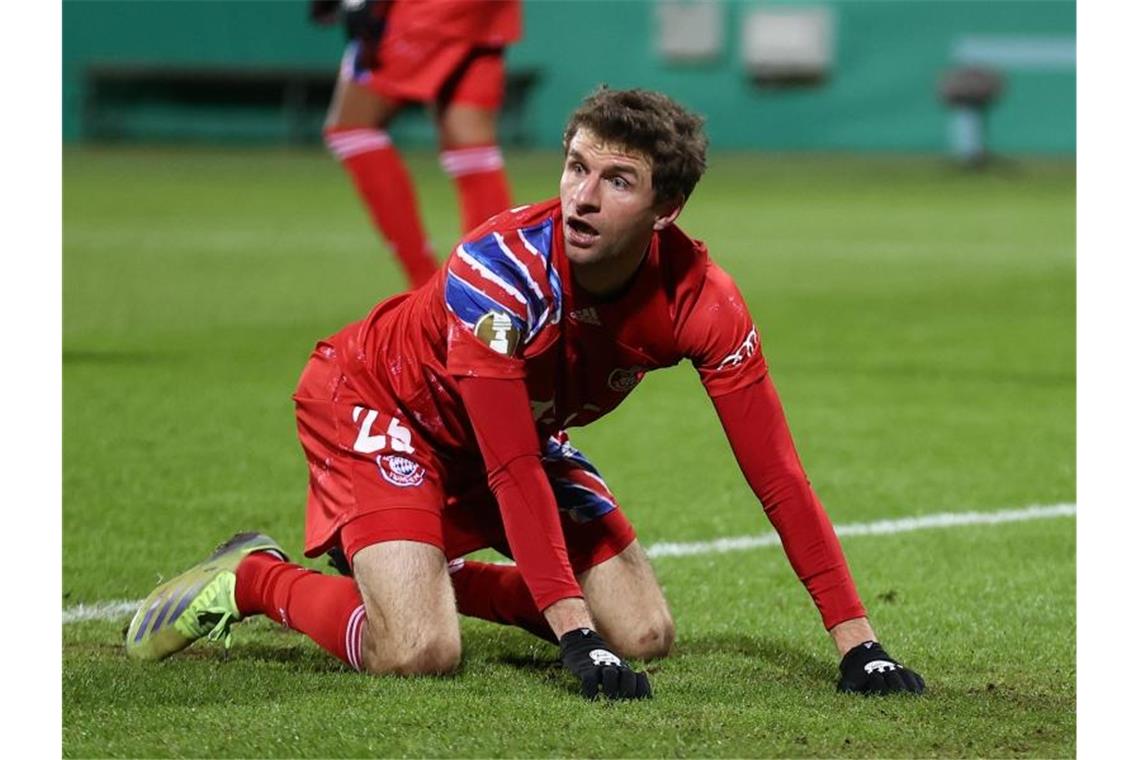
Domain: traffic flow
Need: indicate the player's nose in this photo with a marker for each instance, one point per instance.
(586, 196)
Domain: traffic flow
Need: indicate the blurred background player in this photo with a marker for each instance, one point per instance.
(447, 55)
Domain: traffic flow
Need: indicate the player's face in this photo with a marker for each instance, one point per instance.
(609, 210)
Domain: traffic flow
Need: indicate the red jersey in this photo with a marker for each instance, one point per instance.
(494, 23)
(580, 356)
(506, 308)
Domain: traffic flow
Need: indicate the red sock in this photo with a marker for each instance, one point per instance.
(326, 608)
(481, 182)
(384, 185)
(497, 593)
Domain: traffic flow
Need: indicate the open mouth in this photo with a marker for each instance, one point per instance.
(579, 232)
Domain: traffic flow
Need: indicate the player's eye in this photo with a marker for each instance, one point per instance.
(621, 183)
(576, 167)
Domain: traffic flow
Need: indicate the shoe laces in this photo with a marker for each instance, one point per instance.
(222, 621)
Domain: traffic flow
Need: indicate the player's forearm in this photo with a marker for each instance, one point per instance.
(812, 548)
(813, 551)
(757, 430)
(500, 416)
(534, 531)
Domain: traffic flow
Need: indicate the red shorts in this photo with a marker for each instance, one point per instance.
(371, 479)
(426, 69)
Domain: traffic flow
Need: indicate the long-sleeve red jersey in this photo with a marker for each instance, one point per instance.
(501, 349)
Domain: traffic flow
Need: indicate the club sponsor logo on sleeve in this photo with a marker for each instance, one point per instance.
(498, 331)
(400, 471)
(746, 349)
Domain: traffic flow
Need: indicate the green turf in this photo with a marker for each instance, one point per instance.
(919, 322)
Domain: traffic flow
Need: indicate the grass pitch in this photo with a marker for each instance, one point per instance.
(920, 324)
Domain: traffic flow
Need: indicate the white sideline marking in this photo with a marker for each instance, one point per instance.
(879, 527)
(100, 611)
(121, 607)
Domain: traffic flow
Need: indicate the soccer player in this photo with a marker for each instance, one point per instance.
(434, 427)
(448, 55)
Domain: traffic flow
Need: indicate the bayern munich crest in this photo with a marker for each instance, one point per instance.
(400, 471)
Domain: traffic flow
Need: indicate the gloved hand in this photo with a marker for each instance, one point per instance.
(589, 657)
(364, 22)
(868, 669)
(323, 12)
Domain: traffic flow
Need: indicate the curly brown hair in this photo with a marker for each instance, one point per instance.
(652, 124)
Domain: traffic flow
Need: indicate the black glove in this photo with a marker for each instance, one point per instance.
(868, 669)
(364, 22)
(323, 12)
(588, 656)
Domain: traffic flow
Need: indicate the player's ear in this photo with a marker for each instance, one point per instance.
(667, 211)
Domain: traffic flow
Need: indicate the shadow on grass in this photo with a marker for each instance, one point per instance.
(547, 670)
(781, 660)
(302, 657)
(777, 654)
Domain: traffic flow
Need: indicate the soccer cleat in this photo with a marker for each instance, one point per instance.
(198, 603)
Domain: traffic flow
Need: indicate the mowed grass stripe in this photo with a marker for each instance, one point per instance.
(113, 610)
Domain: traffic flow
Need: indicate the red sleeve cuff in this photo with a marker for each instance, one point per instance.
(835, 597)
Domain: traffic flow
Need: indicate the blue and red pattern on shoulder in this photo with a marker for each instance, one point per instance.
(506, 265)
(527, 215)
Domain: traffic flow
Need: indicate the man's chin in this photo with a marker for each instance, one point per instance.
(582, 254)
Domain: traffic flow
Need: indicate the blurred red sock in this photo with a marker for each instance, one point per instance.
(326, 608)
(497, 593)
(480, 180)
(384, 185)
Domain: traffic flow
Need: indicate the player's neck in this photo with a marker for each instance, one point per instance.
(610, 278)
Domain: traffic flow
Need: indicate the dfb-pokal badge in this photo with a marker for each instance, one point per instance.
(498, 331)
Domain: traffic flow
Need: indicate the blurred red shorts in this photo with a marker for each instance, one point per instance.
(426, 69)
(371, 480)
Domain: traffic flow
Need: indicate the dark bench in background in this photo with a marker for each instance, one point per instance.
(299, 96)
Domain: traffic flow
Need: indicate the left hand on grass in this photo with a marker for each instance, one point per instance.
(868, 669)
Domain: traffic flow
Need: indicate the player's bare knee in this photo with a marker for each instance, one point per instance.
(653, 640)
(668, 635)
(462, 125)
(438, 657)
(435, 656)
(650, 639)
(656, 639)
(357, 106)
